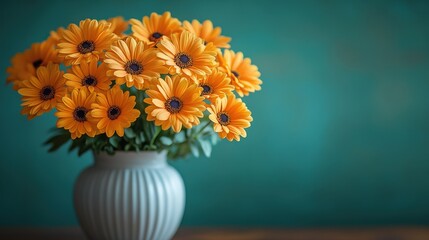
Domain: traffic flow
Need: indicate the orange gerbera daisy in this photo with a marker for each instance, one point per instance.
(25, 64)
(230, 117)
(186, 54)
(244, 75)
(151, 29)
(206, 31)
(73, 113)
(41, 94)
(55, 36)
(26, 111)
(174, 103)
(217, 84)
(114, 111)
(88, 75)
(118, 25)
(85, 42)
(134, 63)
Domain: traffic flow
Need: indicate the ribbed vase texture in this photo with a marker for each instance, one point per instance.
(129, 196)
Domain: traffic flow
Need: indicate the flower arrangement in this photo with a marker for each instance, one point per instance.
(165, 85)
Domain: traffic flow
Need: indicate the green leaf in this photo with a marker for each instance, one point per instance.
(114, 140)
(179, 137)
(166, 141)
(206, 147)
(195, 151)
(110, 150)
(138, 140)
(89, 141)
(83, 150)
(57, 141)
(183, 150)
(127, 147)
(129, 132)
(214, 138)
(75, 143)
(142, 137)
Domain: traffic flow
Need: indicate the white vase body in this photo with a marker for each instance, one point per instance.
(129, 196)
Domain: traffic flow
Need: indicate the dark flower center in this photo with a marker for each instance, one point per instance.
(155, 36)
(47, 93)
(206, 89)
(235, 73)
(183, 60)
(113, 112)
(173, 105)
(133, 67)
(86, 46)
(89, 81)
(79, 114)
(37, 63)
(223, 118)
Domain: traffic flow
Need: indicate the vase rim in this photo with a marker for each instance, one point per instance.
(131, 159)
(137, 152)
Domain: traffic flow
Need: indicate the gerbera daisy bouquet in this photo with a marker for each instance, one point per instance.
(164, 85)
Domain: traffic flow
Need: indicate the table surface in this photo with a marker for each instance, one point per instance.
(397, 233)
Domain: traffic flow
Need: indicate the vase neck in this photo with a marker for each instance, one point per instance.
(145, 159)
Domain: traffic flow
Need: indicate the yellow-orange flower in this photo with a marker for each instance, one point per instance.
(40, 94)
(217, 84)
(185, 54)
(152, 29)
(118, 25)
(114, 111)
(174, 103)
(206, 31)
(54, 36)
(134, 63)
(244, 75)
(26, 111)
(74, 113)
(88, 75)
(230, 117)
(86, 42)
(25, 64)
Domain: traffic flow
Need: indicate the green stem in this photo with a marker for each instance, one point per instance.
(144, 128)
(201, 130)
(157, 132)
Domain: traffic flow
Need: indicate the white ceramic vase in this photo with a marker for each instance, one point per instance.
(129, 196)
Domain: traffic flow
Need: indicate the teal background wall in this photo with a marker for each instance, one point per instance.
(341, 128)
